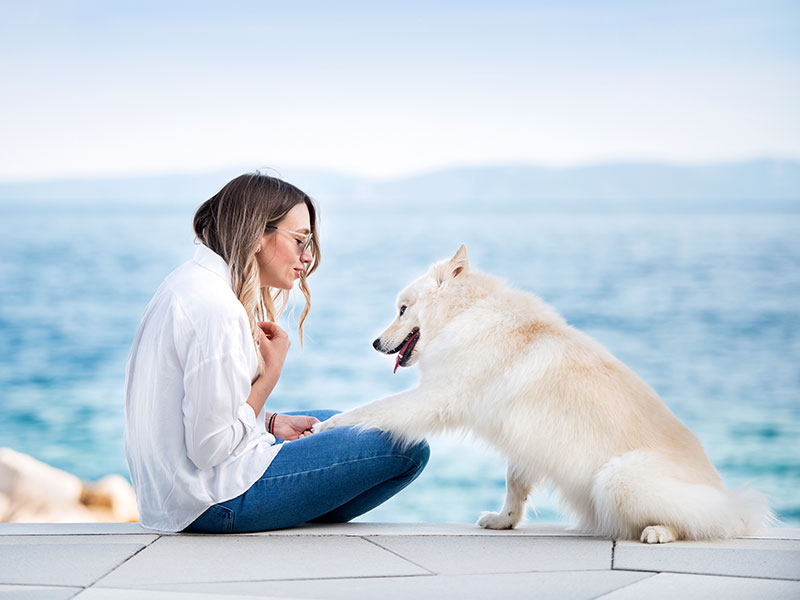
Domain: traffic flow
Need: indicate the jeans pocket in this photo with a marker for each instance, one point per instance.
(216, 519)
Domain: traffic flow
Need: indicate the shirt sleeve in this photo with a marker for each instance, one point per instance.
(217, 419)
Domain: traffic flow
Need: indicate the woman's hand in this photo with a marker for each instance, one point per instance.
(292, 427)
(273, 343)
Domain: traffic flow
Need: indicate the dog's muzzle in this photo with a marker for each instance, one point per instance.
(404, 348)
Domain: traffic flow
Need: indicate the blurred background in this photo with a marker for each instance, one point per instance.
(635, 164)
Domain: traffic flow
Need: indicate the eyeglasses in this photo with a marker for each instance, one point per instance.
(305, 238)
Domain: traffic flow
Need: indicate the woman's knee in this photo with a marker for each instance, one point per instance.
(377, 442)
(416, 456)
(419, 453)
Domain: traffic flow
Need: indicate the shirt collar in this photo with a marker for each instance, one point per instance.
(208, 259)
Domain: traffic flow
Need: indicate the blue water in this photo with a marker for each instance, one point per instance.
(705, 308)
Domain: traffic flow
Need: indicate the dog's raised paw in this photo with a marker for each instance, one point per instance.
(492, 520)
(322, 426)
(657, 534)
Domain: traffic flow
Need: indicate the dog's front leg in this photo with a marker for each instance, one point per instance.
(518, 488)
(405, 415)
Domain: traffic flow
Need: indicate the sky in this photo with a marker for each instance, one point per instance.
(385, 89)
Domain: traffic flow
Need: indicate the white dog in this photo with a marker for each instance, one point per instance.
(505, 366)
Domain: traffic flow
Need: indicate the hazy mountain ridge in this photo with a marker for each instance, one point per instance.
(753, 185)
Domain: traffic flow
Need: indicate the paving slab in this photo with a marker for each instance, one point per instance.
(36, 592)
(70, 560)
(122, 561)
(209, 558)
(74, 528)
(774, 558)
(357, 529)
(669, 586)
(576, 585)
(488, 554)
(77, 539)
(779, 533)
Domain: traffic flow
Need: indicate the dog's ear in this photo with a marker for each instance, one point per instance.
(455, 267)
(459, 264)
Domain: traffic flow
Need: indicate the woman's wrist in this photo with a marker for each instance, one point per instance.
(271, 423)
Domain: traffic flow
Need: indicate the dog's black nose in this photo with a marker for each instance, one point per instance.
(377, 344)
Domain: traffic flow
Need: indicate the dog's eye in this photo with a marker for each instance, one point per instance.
(402, 309)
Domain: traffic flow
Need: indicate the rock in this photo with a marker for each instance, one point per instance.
(32, 491)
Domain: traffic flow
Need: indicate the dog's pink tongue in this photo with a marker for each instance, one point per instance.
(401, 353)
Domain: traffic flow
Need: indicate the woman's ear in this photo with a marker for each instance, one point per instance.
(261, 243)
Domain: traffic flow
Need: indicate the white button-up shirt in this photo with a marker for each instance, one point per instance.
(191, 439)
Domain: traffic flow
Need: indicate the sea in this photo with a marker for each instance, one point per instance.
(705, 307)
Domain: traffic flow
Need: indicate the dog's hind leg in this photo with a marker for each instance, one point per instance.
(657, 534)
(518, 488)
(633, 498)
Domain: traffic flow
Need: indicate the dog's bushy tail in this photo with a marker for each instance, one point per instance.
(752, 508)
(704, 512)
(627, 498)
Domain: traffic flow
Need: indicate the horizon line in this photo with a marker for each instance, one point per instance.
(212, 170)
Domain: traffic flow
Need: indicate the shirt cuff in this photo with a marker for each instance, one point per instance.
(247, 416)
(251, 422)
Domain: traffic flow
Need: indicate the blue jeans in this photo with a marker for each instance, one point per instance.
(328, 477)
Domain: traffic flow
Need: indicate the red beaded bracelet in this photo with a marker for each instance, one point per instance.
(271, 423)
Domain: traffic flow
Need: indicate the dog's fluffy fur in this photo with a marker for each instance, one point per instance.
(505, 366)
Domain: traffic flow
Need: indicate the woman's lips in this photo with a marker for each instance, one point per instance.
(298, 273)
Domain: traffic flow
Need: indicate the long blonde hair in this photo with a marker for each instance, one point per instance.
(232, 222)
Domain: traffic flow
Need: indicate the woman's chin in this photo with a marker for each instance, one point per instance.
(280, 286)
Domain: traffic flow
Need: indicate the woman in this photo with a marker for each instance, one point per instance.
(204, 453)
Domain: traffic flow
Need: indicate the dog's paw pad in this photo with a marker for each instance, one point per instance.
(657, 534)
(491, 520)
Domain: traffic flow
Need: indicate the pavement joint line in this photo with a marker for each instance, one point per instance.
(713, 574)
(76, 593)
(398, 555)
(152, 586)
(435, 534)
(501, 573)
(52, 585)
(70, 535)
(267, 534)
(613, 551)
(56, 586)
(627, 585)
(123, 562)
(75, 534)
